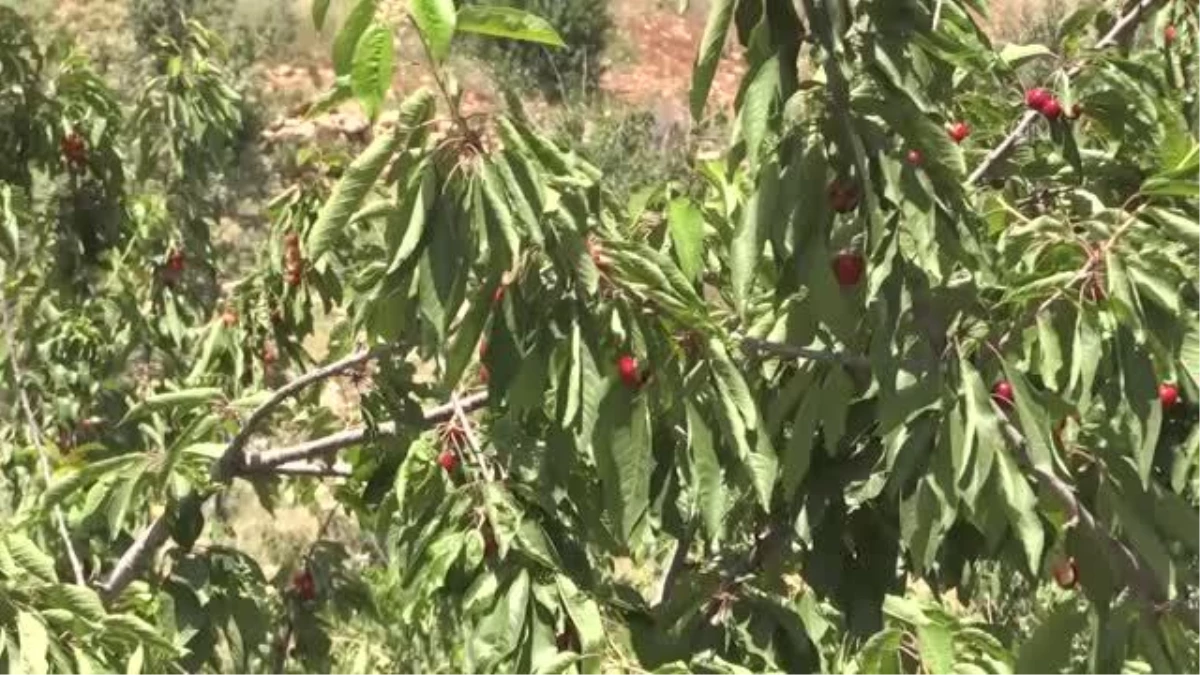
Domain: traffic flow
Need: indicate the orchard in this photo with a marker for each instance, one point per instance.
(904, 379)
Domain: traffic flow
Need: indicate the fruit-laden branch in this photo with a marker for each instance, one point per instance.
(1006, 146)
(35, 436)
(226, 467)
(268, 460)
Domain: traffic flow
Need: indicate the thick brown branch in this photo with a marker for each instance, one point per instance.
(231, 460)
(1030, 116)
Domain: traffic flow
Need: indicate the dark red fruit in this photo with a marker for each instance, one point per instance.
(915, 158)
(269, 354)
(1168, 394)
(483, 348)
(1052, 110)
(1037, 98)
(498, 294)
(303, 584)
(1170, 33)
(291, 240)
(959, 132)
(1003, 392)
(627, 369)
(484, 374)
(843, 196)
(595, 249)
(73, 149)
(229, 317)
(1076, 112)
(848, 268)
(448, 460)
(175, 260)
(1066, 573)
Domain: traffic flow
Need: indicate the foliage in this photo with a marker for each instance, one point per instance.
(571, 71)
(744, 422)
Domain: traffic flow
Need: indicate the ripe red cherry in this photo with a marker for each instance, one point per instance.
(843, 196)
(1052, 110)
(175, 260)
(305, 587)
(1037, 98)
(915, 158)
(959, 131)
(73, 149)
(1170, 33)
(848, 267)
(627, 369)
(1168, 394)
(1066, 573)
(448, 460)
(1003, 392)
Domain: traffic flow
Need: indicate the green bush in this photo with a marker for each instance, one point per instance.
(574, 69)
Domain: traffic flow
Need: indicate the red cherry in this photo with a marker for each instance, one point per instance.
(175, 260)
(1003, 392)
(1066, 573)
(1168, 394)
(843, 196)
(1170, 33)
(484, 374)
(1037, 98)
(269, 354)
(959, 131)
(915, 157)
(848, 267)
(291, 240)
(305, 587)
(448, 460)
(498, 294)
(1052, 110)
(229, 318)
(627, 369)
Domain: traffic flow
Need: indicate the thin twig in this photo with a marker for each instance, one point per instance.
(1030, 116)
(35, 435)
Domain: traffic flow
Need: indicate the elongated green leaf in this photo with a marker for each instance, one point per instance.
(419, 198)
(177, 400)
(585, 614)
(34, 643)
(435, 19)
(349, 193)
(507, 22)
(706, 474)
(747, 247)
(937, 647)
(798, 455)
(371, 77)
(79, 600)
(621, 442)
(346, 41)
(1048, 649)
(1015, 55)
(759, 103)
(1034, 422)
(720, 14)
(1020, 505)
(319, 9)
(30, 558)
(1176, 225)
(63, 486)
(687, 235)
(465, 342)
(982, 431)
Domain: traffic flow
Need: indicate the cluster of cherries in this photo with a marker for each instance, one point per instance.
(1043, 101)
(292, 260)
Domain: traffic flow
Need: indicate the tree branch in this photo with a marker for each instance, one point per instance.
(35, 435)
(233, 458)
(754, 346)
(1030, 116)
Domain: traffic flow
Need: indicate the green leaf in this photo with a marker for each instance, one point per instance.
(65, 485)
(319, 9)
(881, 653)
(720, 13)
(435, 19)
(419, 201)
(465, 343)
(758, 104)
(798, 456)
(686, 223)
(34, 643)
(1048, 649)
(371, 77)
(1016, 55)
(349, 193)
(1032, 415)
(747, 247)
(507, 22)
(937, 647)
(79, 600)
(1176, 225)
(706, 474)
(178, 400)
(585, 614)
(1020, 505)
(346, 41)
(621, 442)
(30, 558)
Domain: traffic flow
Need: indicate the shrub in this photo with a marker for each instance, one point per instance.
(584, 26)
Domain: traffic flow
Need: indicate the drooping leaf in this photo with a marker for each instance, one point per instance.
(1048, 649)
(346, 40)
(319, 9)
(349, 193)
(706, 470)
(687, 234)
(720, 14)
(371, 75)
(621, 442)
(435, 19)
(748, 240)
(507, 22)
(30, 558)
(1016, 55)
(1034, 422)
(34, 641)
